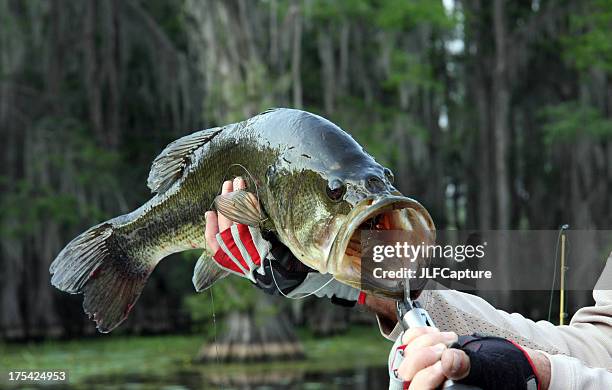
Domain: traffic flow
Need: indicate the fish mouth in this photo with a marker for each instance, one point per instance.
(391, 213)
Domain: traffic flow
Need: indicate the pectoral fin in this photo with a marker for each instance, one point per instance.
(206, 272)
(240, 206)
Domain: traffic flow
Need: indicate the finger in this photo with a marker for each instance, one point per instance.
(239, 184)
(426, 340)
(228, 186)
(413, 333)
(421, 359)
(455, 363)
(224, 222)
(212, 228)
(428, 379)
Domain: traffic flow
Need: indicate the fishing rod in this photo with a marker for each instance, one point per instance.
(563, 269)
(561, 242)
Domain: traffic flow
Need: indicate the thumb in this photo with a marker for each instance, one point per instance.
(455, 363)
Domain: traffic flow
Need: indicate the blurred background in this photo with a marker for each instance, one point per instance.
(494, 114)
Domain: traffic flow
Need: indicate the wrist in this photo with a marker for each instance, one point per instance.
(542, 367)
(383, 308)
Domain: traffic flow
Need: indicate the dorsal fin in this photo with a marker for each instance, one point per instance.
(169, 166)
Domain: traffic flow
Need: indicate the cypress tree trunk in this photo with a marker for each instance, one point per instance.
(326, 319)
(254, 335)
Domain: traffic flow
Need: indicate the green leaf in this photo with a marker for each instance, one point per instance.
(570, 120)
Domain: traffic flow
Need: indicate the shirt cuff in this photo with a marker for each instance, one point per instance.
(562, 372)
(389, 333)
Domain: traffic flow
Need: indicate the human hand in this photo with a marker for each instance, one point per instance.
(481, 361)
(216, 223)
(241, 250)
(428, 360)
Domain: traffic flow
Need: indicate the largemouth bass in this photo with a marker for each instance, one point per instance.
(308, 182)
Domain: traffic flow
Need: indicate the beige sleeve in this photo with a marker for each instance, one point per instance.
(466, 314)
(588, 337)
(570, 373)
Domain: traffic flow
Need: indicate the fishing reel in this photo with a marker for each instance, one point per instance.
(410, 314)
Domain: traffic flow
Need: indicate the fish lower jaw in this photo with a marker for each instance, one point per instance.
(391, 213)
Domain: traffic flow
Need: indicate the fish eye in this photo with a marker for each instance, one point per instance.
(389, 175)
(336, 190)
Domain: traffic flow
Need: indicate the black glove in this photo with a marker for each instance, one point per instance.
(289, 274)
(497, 363)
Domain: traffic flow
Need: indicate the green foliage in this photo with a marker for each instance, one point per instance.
(40, 198)
(408, 14)
(43, 204)
(590, 42)
(228, 294)
(177, 73)
(333, 11)
(410, 69)
(171, 18)
(571, 120)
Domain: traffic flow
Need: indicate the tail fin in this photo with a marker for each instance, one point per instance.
(111, 280)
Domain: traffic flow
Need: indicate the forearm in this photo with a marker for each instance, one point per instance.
(466, 314)
(384, 309)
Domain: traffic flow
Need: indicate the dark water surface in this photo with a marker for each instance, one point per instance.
(358, 378)
(353, 360)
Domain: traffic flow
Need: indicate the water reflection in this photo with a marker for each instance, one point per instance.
(365, 378)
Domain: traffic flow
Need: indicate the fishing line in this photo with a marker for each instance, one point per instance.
(248, 173)
(303, 296)
(212, 299)
(212, 302)
(261, 216)
(271, 267)
(225, 175)
(306, 295)
(254, 183)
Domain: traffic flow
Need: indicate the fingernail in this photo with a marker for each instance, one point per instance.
(456, 365)
(450, 336)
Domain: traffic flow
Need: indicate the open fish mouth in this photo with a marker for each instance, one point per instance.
(377, 214)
